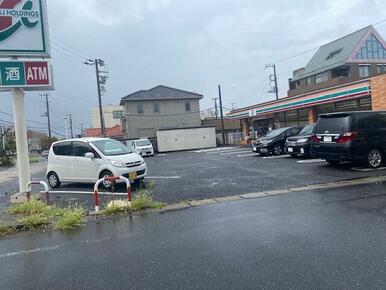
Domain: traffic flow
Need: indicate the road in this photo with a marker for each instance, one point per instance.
(325, 239)
(201, 174)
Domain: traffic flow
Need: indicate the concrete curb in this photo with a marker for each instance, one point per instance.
(264, 194)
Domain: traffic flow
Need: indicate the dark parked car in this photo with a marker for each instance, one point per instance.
(273, 142)
(300, 144)
(351, 136)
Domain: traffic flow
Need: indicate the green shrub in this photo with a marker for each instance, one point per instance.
(7, 161)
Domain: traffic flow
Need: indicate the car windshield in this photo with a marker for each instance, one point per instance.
(276, 133)
(307, 130)
(111, 147)
(141, 143)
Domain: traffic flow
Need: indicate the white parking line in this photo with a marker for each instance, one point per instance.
(214, 149)
(247, 155)
(163, 177)
(366, 169)
(276, 157)
(224, 151)
(236, 152)
(312, 161)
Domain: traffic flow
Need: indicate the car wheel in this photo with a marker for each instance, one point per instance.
(106, 184)
(374, 158)
(277, 150)
(53, 180)
(333, 162)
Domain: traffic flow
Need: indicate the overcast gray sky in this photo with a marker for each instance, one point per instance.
(191, 45)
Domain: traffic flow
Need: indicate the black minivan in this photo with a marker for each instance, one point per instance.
(351, 136)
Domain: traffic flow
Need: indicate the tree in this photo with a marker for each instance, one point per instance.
(45, 143)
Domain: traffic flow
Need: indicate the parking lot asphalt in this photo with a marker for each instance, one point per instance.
(219, 172)
(324, 239)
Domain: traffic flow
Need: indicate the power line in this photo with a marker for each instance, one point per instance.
(69, 45)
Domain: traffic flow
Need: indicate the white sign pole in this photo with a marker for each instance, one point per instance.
(21, 139)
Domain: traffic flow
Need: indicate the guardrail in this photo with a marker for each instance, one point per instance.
(46, 190)
(111, 179)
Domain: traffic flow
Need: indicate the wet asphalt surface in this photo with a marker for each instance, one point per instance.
(325, 239)
(184, 176)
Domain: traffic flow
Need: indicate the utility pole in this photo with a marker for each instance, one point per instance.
(2, 140)
(101, 81)
(47, 114)
(65, 127)
(71, 129)
(222, 115)
(273, 80)
(81, 129)
(215, 107)
(233, 106)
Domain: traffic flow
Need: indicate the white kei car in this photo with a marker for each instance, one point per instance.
(87, 160)
(142, 147)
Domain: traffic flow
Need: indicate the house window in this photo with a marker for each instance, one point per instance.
(117, 114)
(319, 78)
(156, 108)
(364, 71)
(379, 68)
(309, 81)
(187, 107)
(140, 109)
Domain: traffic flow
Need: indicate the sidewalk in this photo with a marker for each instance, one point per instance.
(7, 174)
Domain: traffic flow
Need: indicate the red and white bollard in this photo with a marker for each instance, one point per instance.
(46, 190)
(112, 179)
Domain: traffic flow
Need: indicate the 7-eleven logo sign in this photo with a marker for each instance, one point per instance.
(15, 14)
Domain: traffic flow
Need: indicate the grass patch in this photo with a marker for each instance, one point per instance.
(33, 160)
(71, 218)
(36, 214)
(116, 207)
(144, 200)
(28, 208)
(34, 221)
(5, 230)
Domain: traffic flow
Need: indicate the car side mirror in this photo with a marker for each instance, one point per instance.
(89, 155)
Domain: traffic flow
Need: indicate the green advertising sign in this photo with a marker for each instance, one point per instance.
(12, 73)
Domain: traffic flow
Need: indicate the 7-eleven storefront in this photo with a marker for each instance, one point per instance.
(304, 109)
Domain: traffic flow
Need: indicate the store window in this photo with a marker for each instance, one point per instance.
(379, 68)
(323, 77)
(308, 81)
(364, 71)
(372, 49)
